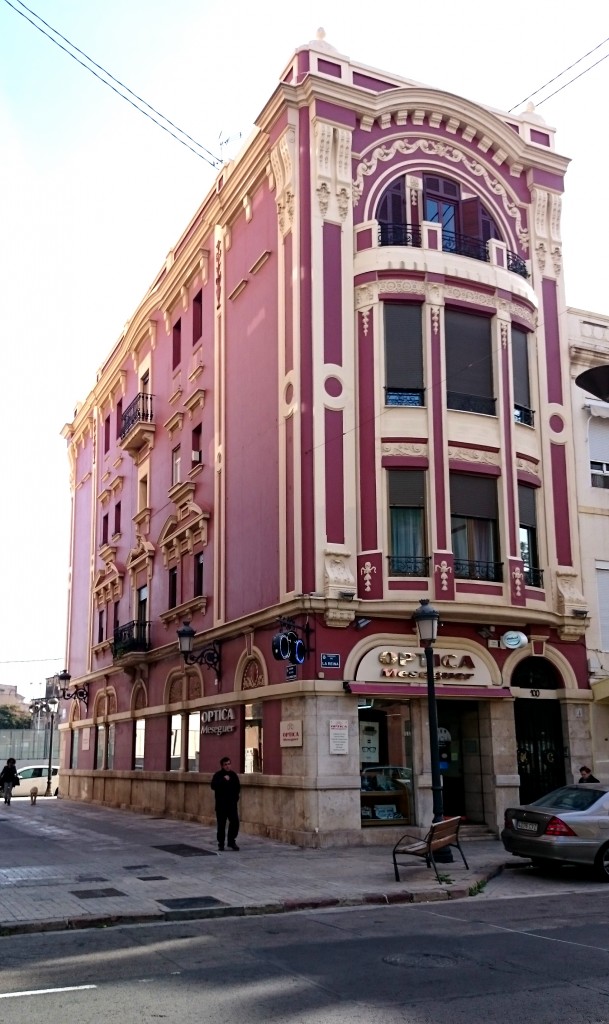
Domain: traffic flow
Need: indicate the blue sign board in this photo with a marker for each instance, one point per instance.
(330, 661)
(290, 672)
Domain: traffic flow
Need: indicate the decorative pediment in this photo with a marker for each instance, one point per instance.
(108, 584)
(140, 556)
(182, 532)
(181, 494)
(193, 401)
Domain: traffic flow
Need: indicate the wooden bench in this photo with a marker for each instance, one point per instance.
(441, 834)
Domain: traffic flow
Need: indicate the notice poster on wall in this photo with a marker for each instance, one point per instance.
(369, 742)
(339, 736)
(84, 741)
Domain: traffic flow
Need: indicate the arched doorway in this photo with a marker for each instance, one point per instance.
(539, 735)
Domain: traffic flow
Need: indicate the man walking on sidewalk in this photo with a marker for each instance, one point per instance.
(9, 777)
(225, 784)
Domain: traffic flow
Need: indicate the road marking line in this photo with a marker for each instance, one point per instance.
(45, 991)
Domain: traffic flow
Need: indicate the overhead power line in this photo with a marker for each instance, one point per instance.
(561, 73)
(205, 153)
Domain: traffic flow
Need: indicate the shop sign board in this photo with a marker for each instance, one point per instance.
(218, 721)
(290, 733)
(290, 672)
(339, 736)
(408, 665)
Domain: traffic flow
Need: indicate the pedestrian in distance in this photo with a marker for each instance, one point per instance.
(9, 778)
(226, 786)
(585, 774)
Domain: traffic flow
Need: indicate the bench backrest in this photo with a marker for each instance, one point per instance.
(442, 833)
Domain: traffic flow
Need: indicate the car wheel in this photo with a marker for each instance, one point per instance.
(601, 864)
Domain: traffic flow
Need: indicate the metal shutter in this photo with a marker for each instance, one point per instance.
(473, 496)
(602, 585)
(598, 438)
(469, 361)
(527, 505)
(407, 487)
(520, 368)
(403, 345)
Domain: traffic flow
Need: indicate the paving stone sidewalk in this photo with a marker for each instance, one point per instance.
(69, 865)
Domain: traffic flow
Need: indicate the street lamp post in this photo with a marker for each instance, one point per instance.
(427, 619)
(50, 706)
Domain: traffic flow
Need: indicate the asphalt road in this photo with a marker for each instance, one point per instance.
(543, 959)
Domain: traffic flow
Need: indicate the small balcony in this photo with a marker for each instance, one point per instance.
(470, 403)
(524, 415)
(533, 577)
(408, 565)
(487, 572)
(132, 638)
(137, 427)
(461, 245)
(411, 397)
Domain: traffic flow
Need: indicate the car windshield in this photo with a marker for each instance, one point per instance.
(571, 798)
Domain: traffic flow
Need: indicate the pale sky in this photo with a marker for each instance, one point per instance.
(93, 195)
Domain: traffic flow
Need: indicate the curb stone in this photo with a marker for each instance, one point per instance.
(404, 896)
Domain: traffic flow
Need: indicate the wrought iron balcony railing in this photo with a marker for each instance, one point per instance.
(470, 403)
(490, 572)
(533, 577)
(462, 245)
(524, 415)
(408, 565)
(140, 411)
(404, 396)
(133, 636)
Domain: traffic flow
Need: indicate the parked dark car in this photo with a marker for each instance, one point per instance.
(569, 826)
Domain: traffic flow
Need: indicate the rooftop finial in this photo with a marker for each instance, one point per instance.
(321, 33)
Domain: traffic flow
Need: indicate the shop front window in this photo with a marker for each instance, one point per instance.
(175, 743)
(386, 763)
(253, 738)
(138, 744)
(194, 739)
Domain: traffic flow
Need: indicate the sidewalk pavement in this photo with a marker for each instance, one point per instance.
(73, 865)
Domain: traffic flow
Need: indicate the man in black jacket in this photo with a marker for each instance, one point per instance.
(586, 775)
(225, 784)
(9, 777)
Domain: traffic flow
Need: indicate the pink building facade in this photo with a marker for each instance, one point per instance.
(346, 391)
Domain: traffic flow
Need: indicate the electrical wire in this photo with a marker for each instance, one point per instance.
(571, 80)
(563, 72)
(28, 661)
(210, 158)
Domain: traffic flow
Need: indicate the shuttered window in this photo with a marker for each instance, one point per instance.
(520, 372)
(602, 585)
(403, 354)
(598, 442)
(469, 362)
(406, 493)
(526, 505)
(473, 520)
(474, 496)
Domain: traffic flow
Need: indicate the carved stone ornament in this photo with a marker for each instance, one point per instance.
(343, 203)
(283, 163)
(406, 449)
(504, 328)
(541, 252)
(366, 571)
(365, 314)
(473, 455)
(432, 147)
(435, 319)
(323, 195)
(443, 568)
(557, 259)
(572, 605)
(518, 577)
(338, 576)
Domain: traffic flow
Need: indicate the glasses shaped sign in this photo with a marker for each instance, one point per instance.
(514, 640)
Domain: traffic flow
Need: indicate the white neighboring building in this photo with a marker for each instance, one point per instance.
(589, 348)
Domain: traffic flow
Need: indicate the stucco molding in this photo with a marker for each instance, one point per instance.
(452, 153)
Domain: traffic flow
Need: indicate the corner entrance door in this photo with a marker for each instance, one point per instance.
(539, 739)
